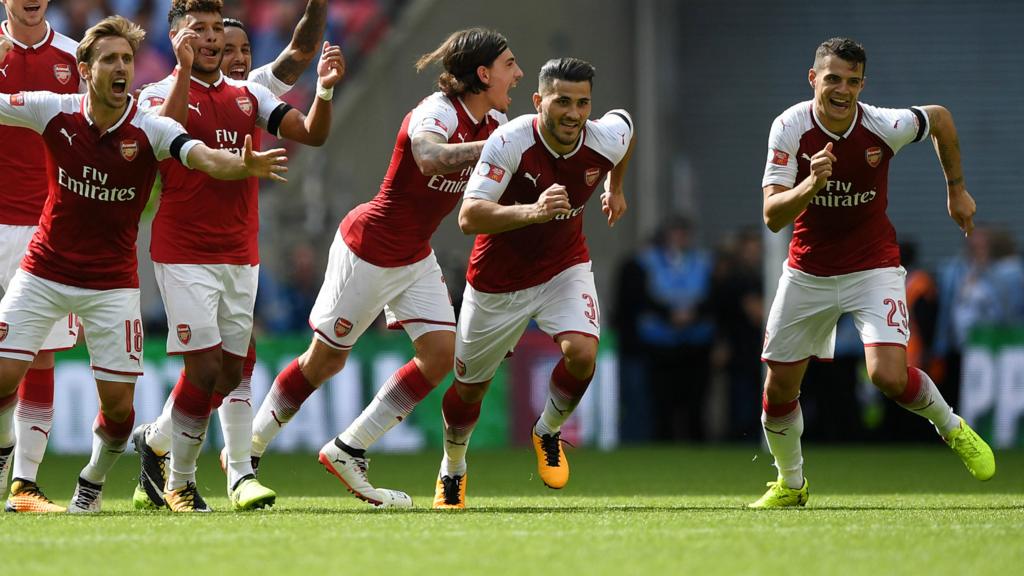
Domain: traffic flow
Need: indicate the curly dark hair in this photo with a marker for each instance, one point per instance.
(179, 8)
(460, 55)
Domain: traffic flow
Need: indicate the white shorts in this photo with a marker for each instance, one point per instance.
(111, 319)
(490, 325)
(208, 305)
(13, 244)
(802, 321)
(354, 291)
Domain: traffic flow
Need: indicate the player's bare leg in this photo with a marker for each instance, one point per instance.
(33, 419)
(569, 381)
(460, 411)
(783, 424)
(913, 389)
(111, 430)
(11, 373)
(344, 456)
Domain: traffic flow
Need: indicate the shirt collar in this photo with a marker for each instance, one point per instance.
(7, 33)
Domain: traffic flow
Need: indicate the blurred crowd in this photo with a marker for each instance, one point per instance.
(689, 323)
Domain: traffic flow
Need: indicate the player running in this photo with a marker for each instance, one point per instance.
(102, 161)
(826, 173)
(530, 260)
(205, 250)
(381, 258)
(38, 58)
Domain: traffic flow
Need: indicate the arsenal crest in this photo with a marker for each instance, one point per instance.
(460, 367)
(244, 104)
(873, 156)
(129, 150)
(342, 327)
(62, 72)
(592, 175)
(184, 333)
(3, 331)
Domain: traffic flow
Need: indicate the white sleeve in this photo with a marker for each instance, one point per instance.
(499, 160)
(162, 132)
(499, 117)
(435, 115)
(897, 126)
(610, 136)
(153, 96)
(783, 146)
(266, 104)
(32, 110)
(264, 76)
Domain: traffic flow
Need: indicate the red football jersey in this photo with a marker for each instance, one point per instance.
(845, 228)
(99, 184)
(202, 220)
(514, 168)
(394, 228)
(50, 66)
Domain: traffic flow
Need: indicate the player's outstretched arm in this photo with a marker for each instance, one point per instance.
(434, 155)
(959, 202)
(782, 205)
(613, 200)
(300, 52)
(224, 165)
(313, 128)
(479, 216)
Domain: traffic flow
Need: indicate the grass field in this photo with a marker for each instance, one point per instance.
(901, 510)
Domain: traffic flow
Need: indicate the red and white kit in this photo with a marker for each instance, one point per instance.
(843, 256)
(48, 65)
(82, 258)
(205, 235)
(541, 271)
(381, 257)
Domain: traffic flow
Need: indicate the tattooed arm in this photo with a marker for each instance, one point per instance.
(434, 155)
(959, 202)
(305, 44)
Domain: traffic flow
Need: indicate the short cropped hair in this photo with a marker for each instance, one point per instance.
(109, 27)
(567, 69)
(233, 23)
(843, 48)
(460, 55)
(179, 8)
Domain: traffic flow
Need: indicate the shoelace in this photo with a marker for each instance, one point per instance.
(550, 443)
(189, 494)
(86, 496)
(451, 488)
(363, 465)
(963, 444)
(32, 489)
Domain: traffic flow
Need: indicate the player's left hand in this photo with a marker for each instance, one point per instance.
(269, 164)
(331, 68)
(613, 205)
(182, 46)
(5, 47)
(961, 208)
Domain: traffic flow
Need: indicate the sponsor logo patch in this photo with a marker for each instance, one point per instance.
(244, 104)
(592, 175)
(153, 102)
(62, 72)
(184, 333)
(18, 99)
(873, 155)
(434, 122)
(780, 158)
(4, 329)
(491, 171)
(342, 327)
(129, 149)
(460, 367)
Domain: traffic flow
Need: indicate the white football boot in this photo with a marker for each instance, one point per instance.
(351, 470)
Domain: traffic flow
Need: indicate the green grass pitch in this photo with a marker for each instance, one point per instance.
(877, 510)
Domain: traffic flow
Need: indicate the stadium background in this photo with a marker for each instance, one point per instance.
(703, 79)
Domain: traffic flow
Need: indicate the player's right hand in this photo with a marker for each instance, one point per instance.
(821, 166)
(551, 203)
(182, 45)
(269, 164)
(5, 47)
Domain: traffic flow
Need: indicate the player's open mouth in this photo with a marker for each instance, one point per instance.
(208, 52)
(120, 86)
(840, 104)
(31, 9)
(237, 71)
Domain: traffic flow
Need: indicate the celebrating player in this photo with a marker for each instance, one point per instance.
(827, 172)
(530, 260)
(37, 58)
(381, 258)
(205, 249)
(102, 161)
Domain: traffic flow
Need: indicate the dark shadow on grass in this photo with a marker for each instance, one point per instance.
(630, 509)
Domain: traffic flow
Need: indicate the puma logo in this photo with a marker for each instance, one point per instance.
(64, 133)
(454, 443)
(531, 178)
(136, 358)
(623, 136)
(339, 461)
(557, 409)
(4, 70)
(198, 438)
(240, 401)
(462, 138)
(196, 108)
(921, 409)
(40, 430)
(503, 141)
(280, 424)
(805, 156)
(778, 432)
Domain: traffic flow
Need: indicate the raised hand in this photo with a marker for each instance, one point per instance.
(551, 203)
(331, 68)
(821, 166)
(182, 45)
(269, 164)
(5, 47)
